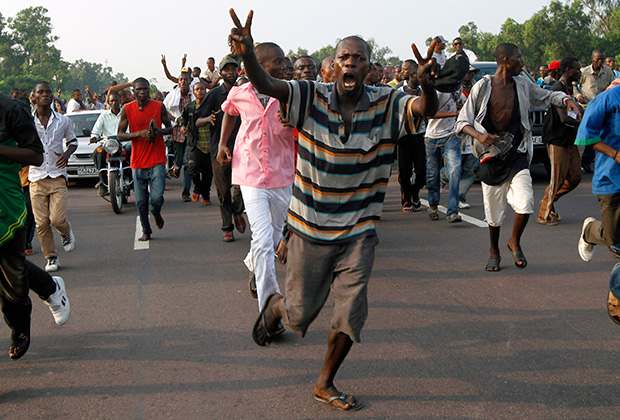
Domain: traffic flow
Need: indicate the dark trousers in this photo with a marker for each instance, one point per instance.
(607, 231)
(30, 224)
(16, 277)
(411, 159)
(587, 157)
(230, 202)
(202, 174)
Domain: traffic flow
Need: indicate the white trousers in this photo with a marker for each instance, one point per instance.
(266, 210)
(517, 192)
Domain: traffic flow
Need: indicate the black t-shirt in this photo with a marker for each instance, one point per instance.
(497, 170)
(555, 131)
(17, 122)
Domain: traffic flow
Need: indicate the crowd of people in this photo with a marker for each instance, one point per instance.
(304, 150)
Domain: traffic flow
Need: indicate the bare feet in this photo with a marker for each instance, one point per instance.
(145, 237)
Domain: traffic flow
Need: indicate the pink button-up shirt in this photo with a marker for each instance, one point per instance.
(263, 156)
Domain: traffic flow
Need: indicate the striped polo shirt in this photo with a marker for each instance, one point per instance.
(340, 185)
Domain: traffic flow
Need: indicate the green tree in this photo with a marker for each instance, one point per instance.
(28, 55)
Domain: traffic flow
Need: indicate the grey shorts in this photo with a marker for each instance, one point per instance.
(312, 270)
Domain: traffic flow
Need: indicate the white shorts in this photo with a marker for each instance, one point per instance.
(517, 192)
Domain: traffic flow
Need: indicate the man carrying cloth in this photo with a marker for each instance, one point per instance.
(347, 134)
(496, 117)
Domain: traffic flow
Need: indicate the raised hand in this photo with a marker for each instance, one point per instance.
(163, 59)
(427, 66)
(241, 36)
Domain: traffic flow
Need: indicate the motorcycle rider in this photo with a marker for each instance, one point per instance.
(107, 125)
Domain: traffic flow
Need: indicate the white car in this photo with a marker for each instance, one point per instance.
(81, 165)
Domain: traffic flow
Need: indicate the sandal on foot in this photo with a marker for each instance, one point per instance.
(454, 218)
(518, 258)
(20, 342)
(252, 285)
(260, 333)
(432, 214)
(353, 406)
(493, 264)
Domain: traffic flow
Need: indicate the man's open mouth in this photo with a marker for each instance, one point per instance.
(349, 80)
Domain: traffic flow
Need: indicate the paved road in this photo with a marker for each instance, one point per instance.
(164, 333)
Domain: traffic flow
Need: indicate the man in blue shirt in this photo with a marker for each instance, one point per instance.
(599, 129)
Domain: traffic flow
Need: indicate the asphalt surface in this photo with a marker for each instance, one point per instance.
(165, 333)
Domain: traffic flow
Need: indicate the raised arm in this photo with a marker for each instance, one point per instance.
(168, 75)
(242, 42)
(427, 104)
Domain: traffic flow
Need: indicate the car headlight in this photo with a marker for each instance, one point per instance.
(111, 146)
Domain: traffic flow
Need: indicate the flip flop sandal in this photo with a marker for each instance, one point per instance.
(493, 264)
(343, 397)
(20, 342)
(252, 285)
(260, 325)
(518, 257)
(432, 214)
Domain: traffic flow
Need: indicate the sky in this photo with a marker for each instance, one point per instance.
(130, 36)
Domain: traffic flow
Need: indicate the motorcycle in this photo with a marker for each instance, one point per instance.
(116, 176)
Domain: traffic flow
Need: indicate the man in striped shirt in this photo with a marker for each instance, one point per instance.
(347, 133)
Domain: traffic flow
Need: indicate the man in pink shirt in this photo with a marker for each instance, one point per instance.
(263, 165)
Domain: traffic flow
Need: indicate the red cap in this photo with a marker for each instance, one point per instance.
(554, 65)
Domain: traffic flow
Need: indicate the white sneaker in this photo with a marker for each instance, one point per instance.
(52, 264)
(68, 242)
(464, 205)
(58, 302)
(586, 250)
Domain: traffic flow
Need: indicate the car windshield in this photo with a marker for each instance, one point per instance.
(489, 68)
(83, 123)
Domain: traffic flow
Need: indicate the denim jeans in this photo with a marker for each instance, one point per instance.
(180, 160)
(449, 148)
(469, 163)
(144, 179)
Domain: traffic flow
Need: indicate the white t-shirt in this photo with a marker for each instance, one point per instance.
(440, 57)
(437, 128)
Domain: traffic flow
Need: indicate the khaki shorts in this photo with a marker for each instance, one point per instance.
(517, 192)
(312, 270)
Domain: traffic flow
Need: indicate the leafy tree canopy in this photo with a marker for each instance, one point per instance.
(28, 55)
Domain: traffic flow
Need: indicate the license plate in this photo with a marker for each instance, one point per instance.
(537, 140)
(87, 170)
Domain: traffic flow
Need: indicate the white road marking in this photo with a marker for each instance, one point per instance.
(137, 245)
(466, 218)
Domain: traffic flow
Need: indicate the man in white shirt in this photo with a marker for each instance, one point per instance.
(107, 126)
(212, 74)
(75, 104)
(48, 182)
(439, 53)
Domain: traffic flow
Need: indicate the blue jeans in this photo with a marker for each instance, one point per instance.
(469, 163)
(180, 160)
(144, 179)
(449, 148)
